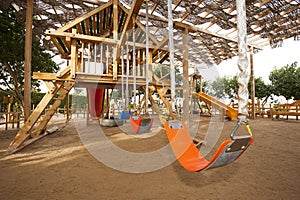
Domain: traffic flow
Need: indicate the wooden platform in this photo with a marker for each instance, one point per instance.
(100, 81)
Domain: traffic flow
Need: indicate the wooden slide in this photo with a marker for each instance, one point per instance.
(229, 111)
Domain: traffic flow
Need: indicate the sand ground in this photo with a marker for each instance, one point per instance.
(59, 167)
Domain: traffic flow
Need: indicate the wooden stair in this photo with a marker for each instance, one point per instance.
(36, 124)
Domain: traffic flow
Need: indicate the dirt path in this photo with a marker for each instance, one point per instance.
(59, 167)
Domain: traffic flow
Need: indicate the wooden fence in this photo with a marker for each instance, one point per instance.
(12, 118)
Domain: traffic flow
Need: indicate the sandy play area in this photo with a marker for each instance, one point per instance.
(59, 167)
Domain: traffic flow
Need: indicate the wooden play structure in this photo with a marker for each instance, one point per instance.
(112, 42)
(99, 47)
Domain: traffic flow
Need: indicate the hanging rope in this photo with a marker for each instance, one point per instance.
(171, 50)
(122, 78)
(243, 77)
(134, 63)
(147, 54)
(127, 73)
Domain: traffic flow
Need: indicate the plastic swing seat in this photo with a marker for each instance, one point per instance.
(189, 156)
(140, 124)
(124, 114)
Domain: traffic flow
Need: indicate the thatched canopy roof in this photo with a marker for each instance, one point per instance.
(211, 23)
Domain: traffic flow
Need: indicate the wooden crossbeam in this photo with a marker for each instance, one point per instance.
(161, 44)
(94, 39)
(192, 28)
(84, 17)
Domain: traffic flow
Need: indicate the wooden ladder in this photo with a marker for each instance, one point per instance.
(161, 91)
(26, 134)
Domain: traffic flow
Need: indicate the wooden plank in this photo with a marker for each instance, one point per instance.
(63, 91)
(192, 28)
(150, 65)
(63, 72)
(87, 26)
(151, 37)
(82, 37)
(84, 17)
(74, 55)
(94, 24)
(27, 64)
(135, 7)
(94, 39)
(100, 22)
(252, 82)
(50, 85)
(161, 44)
(49, 76)
(185, 75)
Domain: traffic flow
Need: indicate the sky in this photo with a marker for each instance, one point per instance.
(265, 60)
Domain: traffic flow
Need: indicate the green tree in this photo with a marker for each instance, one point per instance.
(286, 81)
(224, 87)
(163, 71)
(262, 90)
(12, 42)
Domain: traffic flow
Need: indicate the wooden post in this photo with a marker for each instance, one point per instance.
(6, 120)
(201, 83)
(28, 50)
(115, 36)
(185, 115)
(252, 84)
(74, 55)
(150, 73)
(67, 106)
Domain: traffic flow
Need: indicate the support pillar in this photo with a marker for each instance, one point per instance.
(185, 115)
(27, 55)
(252, 81)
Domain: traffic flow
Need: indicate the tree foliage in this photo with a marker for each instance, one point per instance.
(286, 81)
(262, 90)
(12, 42)
(224, 87)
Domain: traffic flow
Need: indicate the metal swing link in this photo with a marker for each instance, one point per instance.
(242, 120)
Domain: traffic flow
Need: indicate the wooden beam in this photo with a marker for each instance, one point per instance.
(83, 17)
(93, 39)
(152, 38)
(27, 67)
(185, 75)
(252, 82)
(74, 55)
(191, 28)
(49, 76)
(135, 7)
(161, 44)
(150, 65)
